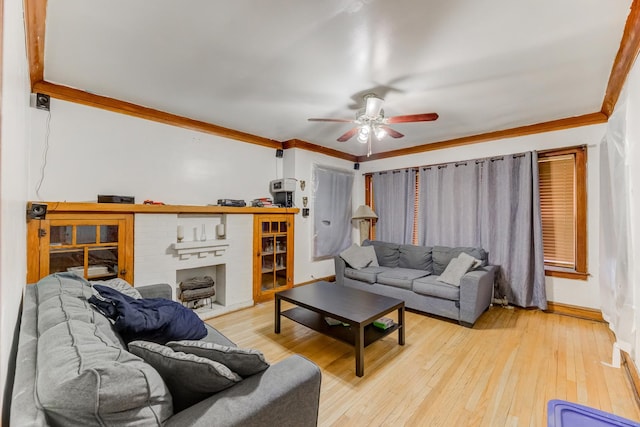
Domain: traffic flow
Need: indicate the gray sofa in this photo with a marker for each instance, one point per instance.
(411, 273)
(74, 369)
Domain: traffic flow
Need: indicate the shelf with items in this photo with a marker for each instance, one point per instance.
(273, 244)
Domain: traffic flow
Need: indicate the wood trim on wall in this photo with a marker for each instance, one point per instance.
(554, 125)
(627, 53)
(57, 207)
(575, 311)
(632, 373)
(326, 279)
(35, 12)
(304, 145)
(81, 97)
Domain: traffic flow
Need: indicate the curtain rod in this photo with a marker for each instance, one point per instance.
(464, 162)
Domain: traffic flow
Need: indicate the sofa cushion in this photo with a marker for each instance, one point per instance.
(84, 375)
(400, 277)
(388, 254)
(367, 274)
(119, 285)
(442, 255)
(416, 257)
(189, 377)
(457, 268)
(359, 256)
(244, 362)
(431, 286)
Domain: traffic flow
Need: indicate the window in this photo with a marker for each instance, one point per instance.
(562, 183)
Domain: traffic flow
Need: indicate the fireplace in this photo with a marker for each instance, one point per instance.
(160, 257)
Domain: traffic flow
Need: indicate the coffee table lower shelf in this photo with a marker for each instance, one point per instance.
(346, 334)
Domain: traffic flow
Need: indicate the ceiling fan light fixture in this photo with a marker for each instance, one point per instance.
(380, 133)
(373, 106)
(363, 133)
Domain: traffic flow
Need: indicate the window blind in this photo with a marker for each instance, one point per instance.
(557, 178)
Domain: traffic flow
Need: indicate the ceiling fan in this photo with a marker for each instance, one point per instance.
(371, 122)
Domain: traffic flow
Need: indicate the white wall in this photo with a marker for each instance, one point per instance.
(93, 152)
(574, 292)
(13, 185)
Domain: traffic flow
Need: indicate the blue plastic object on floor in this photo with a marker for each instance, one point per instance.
(566, 414)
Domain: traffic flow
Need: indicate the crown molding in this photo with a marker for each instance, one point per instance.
(81, 97)
(304, 145)
(567, 123)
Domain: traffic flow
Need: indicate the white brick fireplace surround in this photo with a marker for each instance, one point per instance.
(159, 259)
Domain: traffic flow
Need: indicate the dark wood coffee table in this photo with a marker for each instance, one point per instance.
(357, 308)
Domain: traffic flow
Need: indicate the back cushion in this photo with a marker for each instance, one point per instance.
(84, 374)
(388, 254)
(443, 254)
(417, 257)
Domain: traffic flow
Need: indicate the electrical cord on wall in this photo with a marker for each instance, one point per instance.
(44, 156)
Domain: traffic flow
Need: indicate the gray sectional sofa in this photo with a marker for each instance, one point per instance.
(73, 369)
(412, 273)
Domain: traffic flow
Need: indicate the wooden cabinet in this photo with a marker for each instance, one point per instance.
(273, 247)
(96, 246)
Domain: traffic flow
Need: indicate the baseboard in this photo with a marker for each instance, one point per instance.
(326, 279)
(632, 372)
(575, 311)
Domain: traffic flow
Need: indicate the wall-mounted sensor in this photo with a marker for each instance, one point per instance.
(305, 212)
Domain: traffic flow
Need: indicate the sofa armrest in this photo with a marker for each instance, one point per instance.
(340, 265)
(159, 290)
(476, 288)
(286, 394)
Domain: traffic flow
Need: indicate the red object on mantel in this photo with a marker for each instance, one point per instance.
(152, 202)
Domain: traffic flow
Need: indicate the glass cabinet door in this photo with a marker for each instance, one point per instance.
(274, 255)
(88, 250)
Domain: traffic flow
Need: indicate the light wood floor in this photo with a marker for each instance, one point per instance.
(500, 373)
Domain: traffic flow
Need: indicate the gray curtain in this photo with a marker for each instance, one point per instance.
(448, 211)
(394, 201)
(511, 227)
(332, 211)
(494, 204)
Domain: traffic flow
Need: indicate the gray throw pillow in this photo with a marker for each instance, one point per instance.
(457, 268)
(189, 378)
(245, 362)
(359, 257)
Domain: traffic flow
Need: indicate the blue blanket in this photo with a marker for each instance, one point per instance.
(151, 319)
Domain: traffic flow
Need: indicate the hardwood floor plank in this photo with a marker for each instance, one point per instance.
(500, 373)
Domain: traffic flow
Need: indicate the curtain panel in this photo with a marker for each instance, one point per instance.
(616, 247)
(332, 191)
(491, 203)
(394, 200)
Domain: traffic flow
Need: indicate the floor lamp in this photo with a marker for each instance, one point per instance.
(364, 214)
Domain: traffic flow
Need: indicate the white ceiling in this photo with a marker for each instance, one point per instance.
(264, 67)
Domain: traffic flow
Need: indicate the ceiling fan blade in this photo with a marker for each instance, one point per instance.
(374, 106)
(427, 117)
(392, 132)
(348, 135)
(332, 120)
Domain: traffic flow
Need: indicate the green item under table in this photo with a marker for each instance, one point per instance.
(358, 309)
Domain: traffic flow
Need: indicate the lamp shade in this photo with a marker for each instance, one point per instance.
(364, 212)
